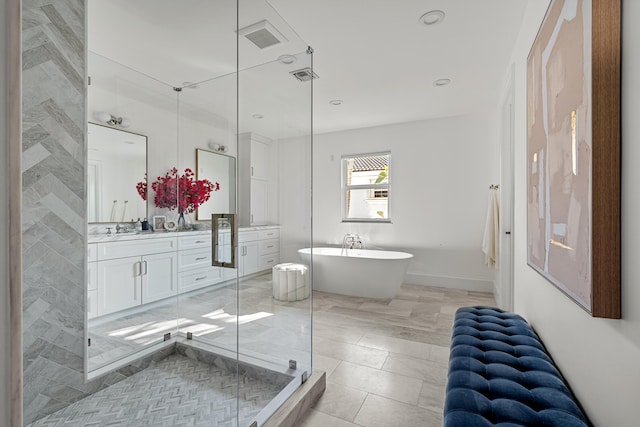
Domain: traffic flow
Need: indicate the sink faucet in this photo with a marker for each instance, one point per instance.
(124, 229)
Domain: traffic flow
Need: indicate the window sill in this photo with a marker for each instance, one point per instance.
(369, 220)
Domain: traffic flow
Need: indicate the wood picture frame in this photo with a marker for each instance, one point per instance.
(573, 152)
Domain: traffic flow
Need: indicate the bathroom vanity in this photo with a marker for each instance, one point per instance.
(131, 270)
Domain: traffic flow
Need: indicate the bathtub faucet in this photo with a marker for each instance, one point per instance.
(352, 241)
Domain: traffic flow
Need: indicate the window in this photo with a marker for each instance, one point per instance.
(365, 187)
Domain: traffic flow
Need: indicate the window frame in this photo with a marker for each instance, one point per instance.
(345, 188)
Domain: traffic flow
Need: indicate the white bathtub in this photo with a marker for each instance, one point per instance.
(361, 272)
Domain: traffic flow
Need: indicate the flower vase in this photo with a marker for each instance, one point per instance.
(182, 223)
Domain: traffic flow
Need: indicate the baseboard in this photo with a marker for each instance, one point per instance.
(294, 410)
(466, 283)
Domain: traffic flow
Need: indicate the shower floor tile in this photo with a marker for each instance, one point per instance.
(176, 391)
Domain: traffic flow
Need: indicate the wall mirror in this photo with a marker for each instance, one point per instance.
(218, 168)
(117, 161)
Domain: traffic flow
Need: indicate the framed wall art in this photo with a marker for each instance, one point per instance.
(573, 152)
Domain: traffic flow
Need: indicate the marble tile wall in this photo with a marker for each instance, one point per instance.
(53, 209)
(53, 216)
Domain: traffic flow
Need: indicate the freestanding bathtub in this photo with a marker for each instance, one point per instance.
(357, 272)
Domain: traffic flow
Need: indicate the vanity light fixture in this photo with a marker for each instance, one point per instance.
(431, 18)
(442, 82)
(217, 147)
(111, 120)
(336, 102)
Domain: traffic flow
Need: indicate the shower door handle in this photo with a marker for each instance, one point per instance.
(218, 222)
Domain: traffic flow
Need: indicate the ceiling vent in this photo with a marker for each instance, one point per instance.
(304, 74)
(263, 34)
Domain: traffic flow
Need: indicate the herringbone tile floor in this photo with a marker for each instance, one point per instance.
(177, 391)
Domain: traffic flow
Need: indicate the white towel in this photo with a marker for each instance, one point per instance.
(490, 242)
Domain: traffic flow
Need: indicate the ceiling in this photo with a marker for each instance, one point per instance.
(374, 55)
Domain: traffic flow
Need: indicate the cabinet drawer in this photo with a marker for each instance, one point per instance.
(194, 258)
(269, 247)
(269, 234)
(248, 236)
(92, 252)
(141, 247)
(193, 242)
(267, 261)
(192, 280)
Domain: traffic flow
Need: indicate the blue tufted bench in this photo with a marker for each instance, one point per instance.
(501, 375)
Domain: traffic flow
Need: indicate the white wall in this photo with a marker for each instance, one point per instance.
(440, 174)
(4, 228)
(295, 197)
(598, 357)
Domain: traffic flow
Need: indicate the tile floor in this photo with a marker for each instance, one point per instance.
(386, 360)
(268, 329)
(176, 391)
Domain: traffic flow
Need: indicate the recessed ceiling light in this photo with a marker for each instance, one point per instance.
(257, 116)
(431, 18)
(442, 82)
(287, 59)
(336, 102)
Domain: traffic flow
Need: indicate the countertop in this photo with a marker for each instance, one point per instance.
(139, 235)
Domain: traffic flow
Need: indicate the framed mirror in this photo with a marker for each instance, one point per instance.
(117, 161)
(219, 168)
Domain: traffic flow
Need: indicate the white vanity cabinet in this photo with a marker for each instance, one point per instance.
(119, 284)
(258, 250)
(92, 280)
(247, 252)
(135, 272)
(131, 272)
(194, 262)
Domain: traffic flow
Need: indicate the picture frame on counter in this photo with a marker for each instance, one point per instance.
(158, 222)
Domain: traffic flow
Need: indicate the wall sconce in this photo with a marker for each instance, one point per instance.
(107, 118)
(217, 147)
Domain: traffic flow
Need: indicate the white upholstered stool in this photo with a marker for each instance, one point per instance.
(290, 282)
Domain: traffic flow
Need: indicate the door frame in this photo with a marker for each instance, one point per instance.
(505, 275)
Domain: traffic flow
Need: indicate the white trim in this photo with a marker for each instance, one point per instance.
(451, 282)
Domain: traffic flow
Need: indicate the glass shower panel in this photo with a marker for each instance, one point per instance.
(132, 276)
(275, 298)
(208, 292)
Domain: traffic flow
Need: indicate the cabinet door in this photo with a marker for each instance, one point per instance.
(249, 259)
(259, 160)
(159, 276)
(119, 284)
(92, 289)
(259, 197)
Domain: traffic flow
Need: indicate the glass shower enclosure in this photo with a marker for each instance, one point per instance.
(220, 92)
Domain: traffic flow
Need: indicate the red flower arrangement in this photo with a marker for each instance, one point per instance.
(178, 191)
